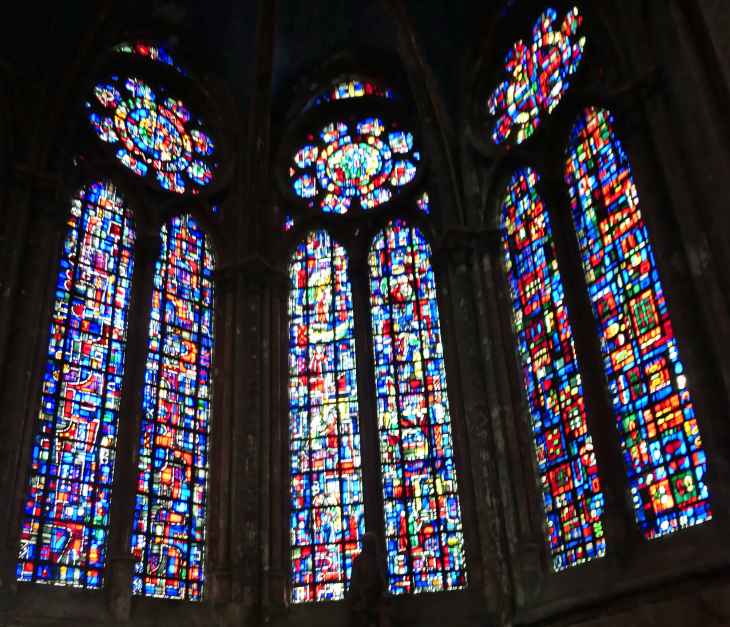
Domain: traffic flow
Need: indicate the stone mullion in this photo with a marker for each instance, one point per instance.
(367, 398)
(120, 560)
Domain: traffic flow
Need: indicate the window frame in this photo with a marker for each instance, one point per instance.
(629, 561)
(355, 231)
(150, 209)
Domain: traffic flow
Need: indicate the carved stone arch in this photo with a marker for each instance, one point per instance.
(356, 230)
(67, 129)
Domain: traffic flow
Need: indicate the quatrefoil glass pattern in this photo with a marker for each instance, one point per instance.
(367, 160)
(538, 76)
(153, 132)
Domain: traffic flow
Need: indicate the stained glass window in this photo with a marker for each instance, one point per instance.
(538, 76)
(169, 523)
(154, 52)
(567, 464)
(355, 89)
(153, 134)
(362, 159)
(326, 480)
(423, 526)
(661, 440)
(67, 512)
(423, 203)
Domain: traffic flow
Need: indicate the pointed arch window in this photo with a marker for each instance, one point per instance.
(327, 518)
(169, 525)
(143, 111)
(423, 530)
(636, 351)
(660, 437)
(340, 166)
(567, 465)
(66, 526)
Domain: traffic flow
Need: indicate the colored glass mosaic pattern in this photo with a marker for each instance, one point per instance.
(354, 161)
(324, 437)
(152, 135)
(423, 203)
(423, 528)
(355, 89)
(64, 535)
(168, 538)
(661, 440)
(153, 52)
(567, 464)
(539, 74)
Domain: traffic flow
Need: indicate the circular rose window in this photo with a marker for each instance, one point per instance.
(154, 135)
(361, 160)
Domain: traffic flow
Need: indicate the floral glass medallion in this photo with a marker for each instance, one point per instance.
(153, 135)
(539, 74)
(365, 160)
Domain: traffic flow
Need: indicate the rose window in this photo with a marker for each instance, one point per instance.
(154, 136)
(365, 160)
(539, 76)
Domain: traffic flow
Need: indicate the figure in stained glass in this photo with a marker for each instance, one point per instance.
(64, 535)
(660, 437)
(354, 160)
(567, 465)
(423, 528)
(327, 518)
(168, 541)
(538, 76)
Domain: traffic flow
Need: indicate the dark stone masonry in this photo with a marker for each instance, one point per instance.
(219, 120)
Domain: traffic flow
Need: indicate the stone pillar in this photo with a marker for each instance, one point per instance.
(28, 307)
(476, 418)
(277, 569)
(219, 514)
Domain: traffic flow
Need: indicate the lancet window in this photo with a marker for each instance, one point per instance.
(646, 381)
(353, 169)
(141, 113)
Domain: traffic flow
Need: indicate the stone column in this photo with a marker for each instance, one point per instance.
(29, 313)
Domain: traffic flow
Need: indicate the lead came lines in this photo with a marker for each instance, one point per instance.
(434, 576)
(321, 296)
(100, 198)
(177, 259)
